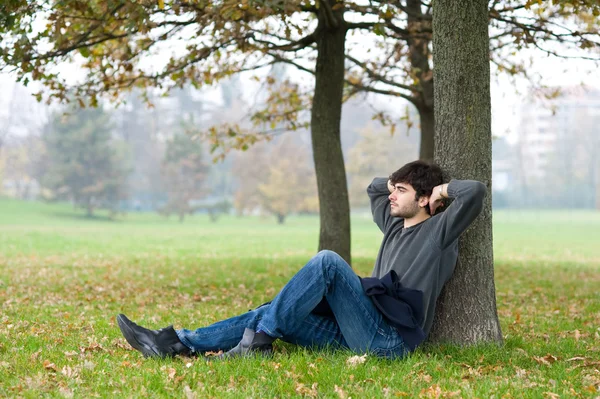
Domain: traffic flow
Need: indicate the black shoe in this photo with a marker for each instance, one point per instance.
(252, 344)
(152, 343)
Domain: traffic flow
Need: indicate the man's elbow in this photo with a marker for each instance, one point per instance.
(479, 193)
(480, 189)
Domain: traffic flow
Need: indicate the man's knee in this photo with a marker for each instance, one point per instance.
(328, 254)
(331, 258)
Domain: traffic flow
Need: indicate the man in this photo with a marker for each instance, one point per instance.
(327, 304)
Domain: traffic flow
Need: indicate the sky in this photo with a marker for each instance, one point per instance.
(507, 95)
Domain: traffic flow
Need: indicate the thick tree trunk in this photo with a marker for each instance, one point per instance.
(466, 310)
(427, 148)
(326, 112)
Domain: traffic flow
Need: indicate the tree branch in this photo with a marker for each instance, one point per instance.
(380, 78)
(406, 35)
(359, 88)
(332, 21)
(361, 25)
(292, 46)
(421, 16)
(290, 62)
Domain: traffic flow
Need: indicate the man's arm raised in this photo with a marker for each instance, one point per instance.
(379, 191)
(468, 198)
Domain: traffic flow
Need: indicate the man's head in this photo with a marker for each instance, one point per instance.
(413, 184)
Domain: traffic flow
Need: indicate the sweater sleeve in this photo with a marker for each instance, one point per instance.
(468, 198)
(380, 203)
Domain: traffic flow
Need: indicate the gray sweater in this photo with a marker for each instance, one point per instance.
(424, 255)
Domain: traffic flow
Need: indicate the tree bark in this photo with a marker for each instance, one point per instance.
(334, 207)
(427, 148)
(466, 310)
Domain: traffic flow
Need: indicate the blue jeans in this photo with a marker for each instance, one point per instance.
(357, 325)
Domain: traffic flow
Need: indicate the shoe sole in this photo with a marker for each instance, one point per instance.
(129, 335)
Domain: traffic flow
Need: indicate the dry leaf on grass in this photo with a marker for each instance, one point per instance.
(354, 361)
(435, 392)
(189, 394)
(303, 390)
(340, 392)
(551, 395)
(546, 360)
(48, 365)
(171, 372)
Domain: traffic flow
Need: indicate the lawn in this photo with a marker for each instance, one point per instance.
(63, 278)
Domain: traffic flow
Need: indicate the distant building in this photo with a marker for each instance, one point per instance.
(557, 143)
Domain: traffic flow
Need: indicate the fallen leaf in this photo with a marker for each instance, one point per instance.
(356, 360)
(575, 358)
(340, 392)
(301, 389)
(551, 395)
(189, 394)
(35, 354)
(546, 360)
(171, 373)
(49, 365)
(69, 372)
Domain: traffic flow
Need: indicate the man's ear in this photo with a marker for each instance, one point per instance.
(423, 201)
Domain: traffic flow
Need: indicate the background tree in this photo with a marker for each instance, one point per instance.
(86, 164)
(466, 310)
(375, 154)
(184, 174)
(18, 166)
(275, 177)
(141, 128)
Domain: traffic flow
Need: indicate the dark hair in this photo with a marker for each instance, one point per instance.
(423, 176)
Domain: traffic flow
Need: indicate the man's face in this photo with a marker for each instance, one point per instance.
(403, 202)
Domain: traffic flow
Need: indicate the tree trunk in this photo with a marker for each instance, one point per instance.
(466, 310)
(419, 55)
(89, 207)
(334, 208)
(280, 218)
(427, 148)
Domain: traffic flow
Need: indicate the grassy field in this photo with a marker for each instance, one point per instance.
(63, 278)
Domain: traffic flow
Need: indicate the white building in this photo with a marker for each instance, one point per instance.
(558, 139)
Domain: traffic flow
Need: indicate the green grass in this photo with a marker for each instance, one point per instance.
(63, 278)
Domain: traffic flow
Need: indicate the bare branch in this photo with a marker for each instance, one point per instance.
(292, 46)
(507, 9)
(279, 58)
(361, 25)
(361, 88)
(423, 33)
(381, 78)
(554, 53)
